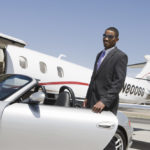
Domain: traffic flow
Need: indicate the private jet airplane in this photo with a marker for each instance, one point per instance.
(54, 73)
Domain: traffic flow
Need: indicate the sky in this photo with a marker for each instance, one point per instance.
(75, 27)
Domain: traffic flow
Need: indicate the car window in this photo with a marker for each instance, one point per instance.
(9, 84)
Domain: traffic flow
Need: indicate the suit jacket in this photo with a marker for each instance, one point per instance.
(108, 80)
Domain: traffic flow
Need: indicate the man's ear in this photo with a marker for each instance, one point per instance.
(117, 39)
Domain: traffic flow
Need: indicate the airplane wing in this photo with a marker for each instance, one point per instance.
(138, 65)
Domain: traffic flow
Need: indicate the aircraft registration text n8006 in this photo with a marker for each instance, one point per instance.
(133, 89)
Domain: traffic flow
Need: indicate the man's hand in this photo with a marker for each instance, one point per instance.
(98, 107)
(84, 103)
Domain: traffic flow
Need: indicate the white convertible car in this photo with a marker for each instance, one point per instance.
(29, 122)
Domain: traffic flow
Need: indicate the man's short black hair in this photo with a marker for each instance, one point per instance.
(115, 30)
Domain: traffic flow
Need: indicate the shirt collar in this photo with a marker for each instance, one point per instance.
(109, 50)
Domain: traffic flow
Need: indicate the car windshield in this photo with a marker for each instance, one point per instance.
(9, 84)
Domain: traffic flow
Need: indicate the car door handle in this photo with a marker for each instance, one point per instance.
(106, 125)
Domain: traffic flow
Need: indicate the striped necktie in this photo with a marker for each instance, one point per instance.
(100, 59)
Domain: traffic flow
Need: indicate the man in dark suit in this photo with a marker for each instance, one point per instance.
(108, 77)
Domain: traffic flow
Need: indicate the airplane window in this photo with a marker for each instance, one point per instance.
(23, 62)
(43, 67)
(60, 71)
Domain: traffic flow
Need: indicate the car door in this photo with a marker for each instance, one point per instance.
(37, 127)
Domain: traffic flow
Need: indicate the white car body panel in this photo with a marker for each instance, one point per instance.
(37, 127)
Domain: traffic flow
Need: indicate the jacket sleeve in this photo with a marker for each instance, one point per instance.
(117, 83)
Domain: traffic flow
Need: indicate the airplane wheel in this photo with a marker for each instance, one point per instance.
(120, 140)
(63, 88)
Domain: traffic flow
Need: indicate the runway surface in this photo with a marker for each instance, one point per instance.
(141, 134)
(140, 121)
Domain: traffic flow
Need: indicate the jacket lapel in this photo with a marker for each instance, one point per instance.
(108, 57)
(95, 66)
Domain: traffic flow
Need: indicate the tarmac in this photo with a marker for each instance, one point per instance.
(141, 136)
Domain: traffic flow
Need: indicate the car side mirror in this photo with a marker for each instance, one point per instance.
(37, 97)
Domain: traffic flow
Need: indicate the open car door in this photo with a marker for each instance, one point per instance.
(37, 127)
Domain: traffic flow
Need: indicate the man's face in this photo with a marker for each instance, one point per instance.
(109, 39)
